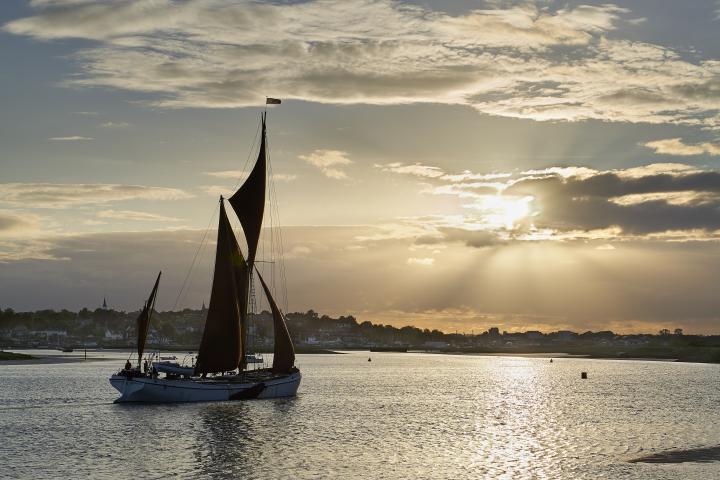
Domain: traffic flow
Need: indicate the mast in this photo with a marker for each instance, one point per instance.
(248, 202)
(143, 320)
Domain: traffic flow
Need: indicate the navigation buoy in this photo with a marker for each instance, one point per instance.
(583, 375)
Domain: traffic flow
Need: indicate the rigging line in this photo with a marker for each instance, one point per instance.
(272, 230)
(273, 221)
(281, 257)
(263, 233)
(192, 264)
(200, 261)
(279, 240)
(276, 250)
(247, 160)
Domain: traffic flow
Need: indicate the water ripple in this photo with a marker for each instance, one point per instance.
(401, 416)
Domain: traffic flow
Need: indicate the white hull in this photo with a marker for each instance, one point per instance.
(148, 389)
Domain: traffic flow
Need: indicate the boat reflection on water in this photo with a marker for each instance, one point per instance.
(232, 439)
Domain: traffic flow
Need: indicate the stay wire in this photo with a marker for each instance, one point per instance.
(197, 252)
(277, 239)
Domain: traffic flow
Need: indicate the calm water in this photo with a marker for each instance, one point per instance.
(399, 416)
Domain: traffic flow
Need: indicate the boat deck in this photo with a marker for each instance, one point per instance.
(248, 376)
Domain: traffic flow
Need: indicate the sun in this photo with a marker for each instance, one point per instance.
(504, 212)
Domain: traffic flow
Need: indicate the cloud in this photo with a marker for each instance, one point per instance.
(13, 223)
(676, 146)
(671, 201)
(284, 177)
(74, 138)
(328, 161)
(465, 190)
(62, 195)
(214, 54)
(236, 174)
(471, 237)
(428, 171)
(134, 216)
(417, 169)
(217, 190)
(637, 205)
(115, 125)
(564, 172)
(93, 223)
(656, 169)
(423, 262)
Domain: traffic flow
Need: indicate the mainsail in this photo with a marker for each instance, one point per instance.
(220, 348)
(143, 320)
(242, 284)
(284, 353)
(249, 201)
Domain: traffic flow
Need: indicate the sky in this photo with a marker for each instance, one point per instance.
(453, 165)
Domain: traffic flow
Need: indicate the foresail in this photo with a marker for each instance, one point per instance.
(249, 201)
(143, 320)
(220, 348)
(284, 352)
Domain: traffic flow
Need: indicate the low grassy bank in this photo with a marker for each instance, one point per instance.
(14, 356)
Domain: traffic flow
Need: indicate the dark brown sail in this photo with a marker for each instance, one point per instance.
(249, 201)
(284, 352)
(242, 282)
(143, 321)
(220, 347)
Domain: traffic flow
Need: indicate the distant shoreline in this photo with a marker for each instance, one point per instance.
(710, 355)
(13, 358)
(556, 355)
(686, 355)
(8, 356)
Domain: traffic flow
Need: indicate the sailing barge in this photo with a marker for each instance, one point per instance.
(221, 369)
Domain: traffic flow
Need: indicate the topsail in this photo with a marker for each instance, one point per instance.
(249, 201)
